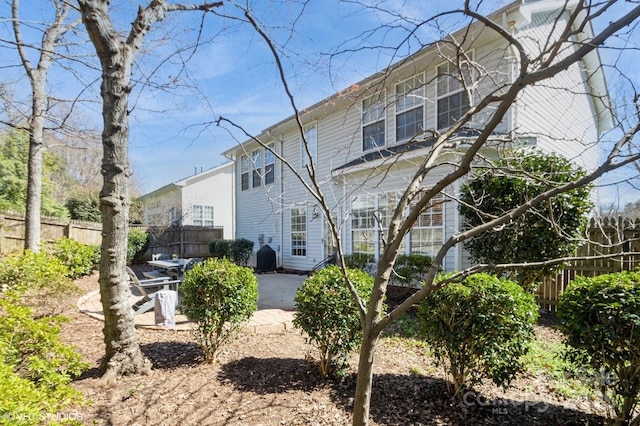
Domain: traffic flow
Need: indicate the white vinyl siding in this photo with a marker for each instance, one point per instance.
(559, 113)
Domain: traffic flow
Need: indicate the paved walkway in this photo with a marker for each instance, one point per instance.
(275, 306)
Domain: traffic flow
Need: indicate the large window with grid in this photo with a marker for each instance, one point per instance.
(299, 231)
(410, 108)
(363, 224)
(373, 122)
(453, 100)
(269, 165)
(311, 135)
(202, 216)
(244, 172)
(427, 235)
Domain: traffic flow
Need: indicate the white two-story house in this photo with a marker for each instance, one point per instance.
(203, 199)
(366, 141)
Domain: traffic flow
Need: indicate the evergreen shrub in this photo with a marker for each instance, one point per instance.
(220, 297)
(327, 312)
(601, 318)
(479, 328)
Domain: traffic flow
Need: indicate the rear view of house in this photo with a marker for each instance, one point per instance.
(366, 142)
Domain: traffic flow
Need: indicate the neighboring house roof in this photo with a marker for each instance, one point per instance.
(179, 184)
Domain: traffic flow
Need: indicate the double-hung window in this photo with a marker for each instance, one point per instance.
(453, 100)
(363, 224)
(244, 172)
(410, 108)
(299, 231)
(256, 159)
(269, 165)
(202, 215)
(311, 148)
(207, 215)
(427, 235)
(373, 122)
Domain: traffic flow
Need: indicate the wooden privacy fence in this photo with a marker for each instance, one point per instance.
(186, 241)
(12, 227)
(605, 236)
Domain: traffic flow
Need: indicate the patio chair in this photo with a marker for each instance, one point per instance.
(148, 288)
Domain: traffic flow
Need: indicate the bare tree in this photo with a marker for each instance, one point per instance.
(533, 63)
(117, 56)
(37, 75)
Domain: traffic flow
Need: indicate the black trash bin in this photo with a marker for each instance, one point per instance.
(265, 259)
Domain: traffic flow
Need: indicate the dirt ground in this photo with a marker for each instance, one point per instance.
(270, 379)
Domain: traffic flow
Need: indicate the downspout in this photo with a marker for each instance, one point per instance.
(510, 27)
(232, 158)
(281, 213)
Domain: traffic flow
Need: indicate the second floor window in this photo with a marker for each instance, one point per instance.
(409, 108)
(256, 159)
(244, 172)
(269, 165)
(311, 135)
(453, 101)
(373, 122)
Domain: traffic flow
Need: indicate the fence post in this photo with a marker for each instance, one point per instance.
(67, 230)
(2, 233)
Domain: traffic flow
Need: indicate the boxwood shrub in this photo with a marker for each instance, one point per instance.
(327, 313)
(601, 318)
(219, 296)
(479, 328)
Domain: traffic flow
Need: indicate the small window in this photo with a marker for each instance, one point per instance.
(269, 165)
(244, 172)
(373, 122)
(299, 232)
(409, 108)
(311, 135)
(256, 159)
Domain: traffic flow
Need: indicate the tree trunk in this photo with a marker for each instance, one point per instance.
(364, 382)
(370, 336)
(123, 354)
(34, 167)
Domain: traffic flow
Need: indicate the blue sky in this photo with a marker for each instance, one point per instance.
(232, 74)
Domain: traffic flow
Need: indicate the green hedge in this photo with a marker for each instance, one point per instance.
(327, 313)
(601, 318)
(479, 328)
(219, 296)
